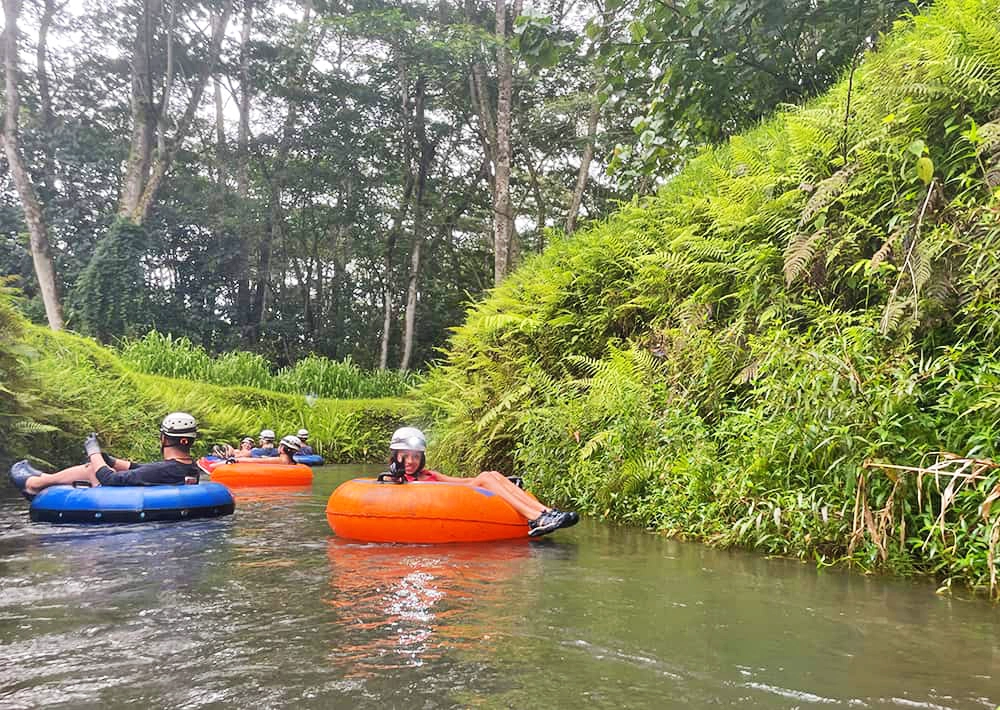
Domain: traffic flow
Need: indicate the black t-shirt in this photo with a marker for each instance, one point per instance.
(169, 472)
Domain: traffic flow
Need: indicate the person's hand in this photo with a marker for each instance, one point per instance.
(90, 444)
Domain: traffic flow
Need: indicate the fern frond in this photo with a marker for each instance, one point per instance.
(884, 251)
(826, 192)
(30, 426)
(891, 316)
(800, 253)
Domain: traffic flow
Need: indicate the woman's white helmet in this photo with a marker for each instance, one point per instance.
(179, 425)
(303, 434)
(408, 438)
(267, 434)
(291, 442)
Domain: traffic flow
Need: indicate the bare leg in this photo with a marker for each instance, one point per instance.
(497, 483)
(82, 472)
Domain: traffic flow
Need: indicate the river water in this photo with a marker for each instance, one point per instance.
(267, 608)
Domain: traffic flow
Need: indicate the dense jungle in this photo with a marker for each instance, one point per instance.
(724, 270)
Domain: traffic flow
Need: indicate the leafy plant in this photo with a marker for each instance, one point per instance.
(719, 360)
(158, 354)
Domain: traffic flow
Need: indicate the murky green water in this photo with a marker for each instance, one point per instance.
(267, 609)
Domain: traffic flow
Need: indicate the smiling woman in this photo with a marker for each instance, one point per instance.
(407, 462)
(432, 507)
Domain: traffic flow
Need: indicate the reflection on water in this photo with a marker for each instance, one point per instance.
(267, 609)
(406, 605)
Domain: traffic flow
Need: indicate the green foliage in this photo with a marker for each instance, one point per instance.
(19, 404)
(682, 62)
(80, 386)
(313, 375)
(536, 43)
(719, 360)
(110, 297)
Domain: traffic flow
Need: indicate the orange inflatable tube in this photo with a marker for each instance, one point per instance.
(421, 512)
(262, 474)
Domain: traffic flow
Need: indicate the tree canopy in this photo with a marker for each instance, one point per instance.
(298, 177)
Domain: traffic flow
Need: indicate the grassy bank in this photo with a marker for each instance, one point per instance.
(720, 361)
(157, 354)
(59, 386)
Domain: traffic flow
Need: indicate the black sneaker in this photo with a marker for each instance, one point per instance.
(19, 475)
(545, 523)
(572, 517)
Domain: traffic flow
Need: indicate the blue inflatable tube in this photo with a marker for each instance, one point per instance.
(131, 504)
(309, 459)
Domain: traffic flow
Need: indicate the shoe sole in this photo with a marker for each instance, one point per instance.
(543, 529)
(20, 472)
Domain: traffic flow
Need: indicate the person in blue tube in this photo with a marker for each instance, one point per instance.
(408, 458)
(267, 447)
(178, 432)
(306, 450)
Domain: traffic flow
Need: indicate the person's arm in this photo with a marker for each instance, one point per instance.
(430, 475)
(116, 464)
(151, 474)
(110, 477)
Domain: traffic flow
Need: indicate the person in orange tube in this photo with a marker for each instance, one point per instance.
(244, 452)
(408, 459)
(287, 448)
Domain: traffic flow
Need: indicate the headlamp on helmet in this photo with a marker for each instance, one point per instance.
(408, 438)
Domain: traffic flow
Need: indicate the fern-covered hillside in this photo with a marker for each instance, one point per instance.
(57, 387)
(721, 360)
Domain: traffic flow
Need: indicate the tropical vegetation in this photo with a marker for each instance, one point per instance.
(312, 376)
(733, 358)
(59, 386)
(291, 178)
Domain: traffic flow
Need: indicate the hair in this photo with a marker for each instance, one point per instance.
(178, 442)
(394, 459)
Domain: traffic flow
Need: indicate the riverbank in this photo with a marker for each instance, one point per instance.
(720, 361)
(60, 386)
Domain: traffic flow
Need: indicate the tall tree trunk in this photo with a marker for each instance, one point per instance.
(585, 160)
(41, 251)
(46, 120)
(276, 178)
(144, 174)
(400, 216)
(143, 113)
(503, 216)
(243, 173)
(221, 150)
(427, 149)
(340, 234)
